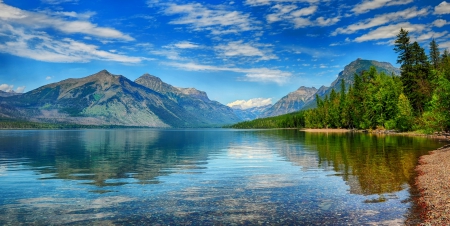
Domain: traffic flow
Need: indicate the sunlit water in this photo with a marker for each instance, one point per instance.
(210, 176)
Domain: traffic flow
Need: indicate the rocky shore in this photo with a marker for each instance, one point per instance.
(433, 184)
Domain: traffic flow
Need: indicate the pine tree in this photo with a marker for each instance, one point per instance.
(343, 107)
(403, 48)
(445, 64)
(435, 57)
(402, 45)
(421, 87)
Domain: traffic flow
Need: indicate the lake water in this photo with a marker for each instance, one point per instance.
(205, 176)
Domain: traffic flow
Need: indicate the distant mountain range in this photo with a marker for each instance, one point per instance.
(305, 97)
(250, 113)
(107, 99)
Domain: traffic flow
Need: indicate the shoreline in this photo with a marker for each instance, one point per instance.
(377, 132)
(433, 184)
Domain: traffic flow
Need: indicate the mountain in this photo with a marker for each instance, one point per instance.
(305, 97)
(347, 75)
(193, 101)
(294, 101)
(8, 94)
(107, 99)
(357, 67)
(250, 113)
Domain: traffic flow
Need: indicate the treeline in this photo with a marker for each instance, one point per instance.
(17, 124)
(417, 100)
(292, 120)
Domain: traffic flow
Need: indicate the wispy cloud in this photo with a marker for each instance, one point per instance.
(440, 23)
(268, 2)
(48, 78)
(216, 20)
(369, 5)
(186, 45)
(442, 8)
(430, 35)
(57, 2)
(382, 19)
(289, 12)
(238, 48)
(299, 17)
(42, 47)
(246, 104)
(251, 74)
(40, 20)
(390, 31)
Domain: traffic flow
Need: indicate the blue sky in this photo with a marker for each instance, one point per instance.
(257, 50)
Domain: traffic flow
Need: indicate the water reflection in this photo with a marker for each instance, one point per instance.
(102, 157)
(371, 164)
(205, 176)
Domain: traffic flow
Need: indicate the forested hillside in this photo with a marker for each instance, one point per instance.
(419, 99)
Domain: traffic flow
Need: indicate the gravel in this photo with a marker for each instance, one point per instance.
(433, 183)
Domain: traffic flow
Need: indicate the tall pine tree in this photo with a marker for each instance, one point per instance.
(435, 57)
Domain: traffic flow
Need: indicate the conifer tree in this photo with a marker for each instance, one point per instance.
(435, 57)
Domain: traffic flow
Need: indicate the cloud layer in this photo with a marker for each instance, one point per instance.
(246, 104)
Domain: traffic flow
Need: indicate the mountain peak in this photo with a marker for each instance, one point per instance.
(194, 93)
(102, 74)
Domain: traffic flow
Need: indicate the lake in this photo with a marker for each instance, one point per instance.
(206, 176)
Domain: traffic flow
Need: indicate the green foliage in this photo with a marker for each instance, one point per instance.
(435, 57)
(292, 120)
(404, 119)
(6, 123)
(437, 116)
(371, 102)
(418, 99)
(98, 96)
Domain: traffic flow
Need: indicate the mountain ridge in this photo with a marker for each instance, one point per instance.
(295, 101)
(106, 99)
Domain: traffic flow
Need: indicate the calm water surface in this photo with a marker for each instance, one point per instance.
(210, 176)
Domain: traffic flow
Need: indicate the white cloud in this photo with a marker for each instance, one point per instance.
(168, 53)
(41, 20)
(289, 12)
(445, 45)
(292, 14)
(48, 78)
(321, 21)
(20, 89)
(251, 74)
(430, 35)
(246, 104)
(57, 2)
(6, 87)
(217, 21)
(440, 23)
(268, 2)
(10, 88)
(238, 48)
(442, 8)
(382, 19)
(186, 45)
(42, 47)
(390, 31)
(304, 11)
(368, 5)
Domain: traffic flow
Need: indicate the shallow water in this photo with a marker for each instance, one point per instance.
(205, 176)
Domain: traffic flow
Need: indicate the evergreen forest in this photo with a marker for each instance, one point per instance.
(418, 99)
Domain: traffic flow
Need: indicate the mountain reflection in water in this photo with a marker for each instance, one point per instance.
(205, 176)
